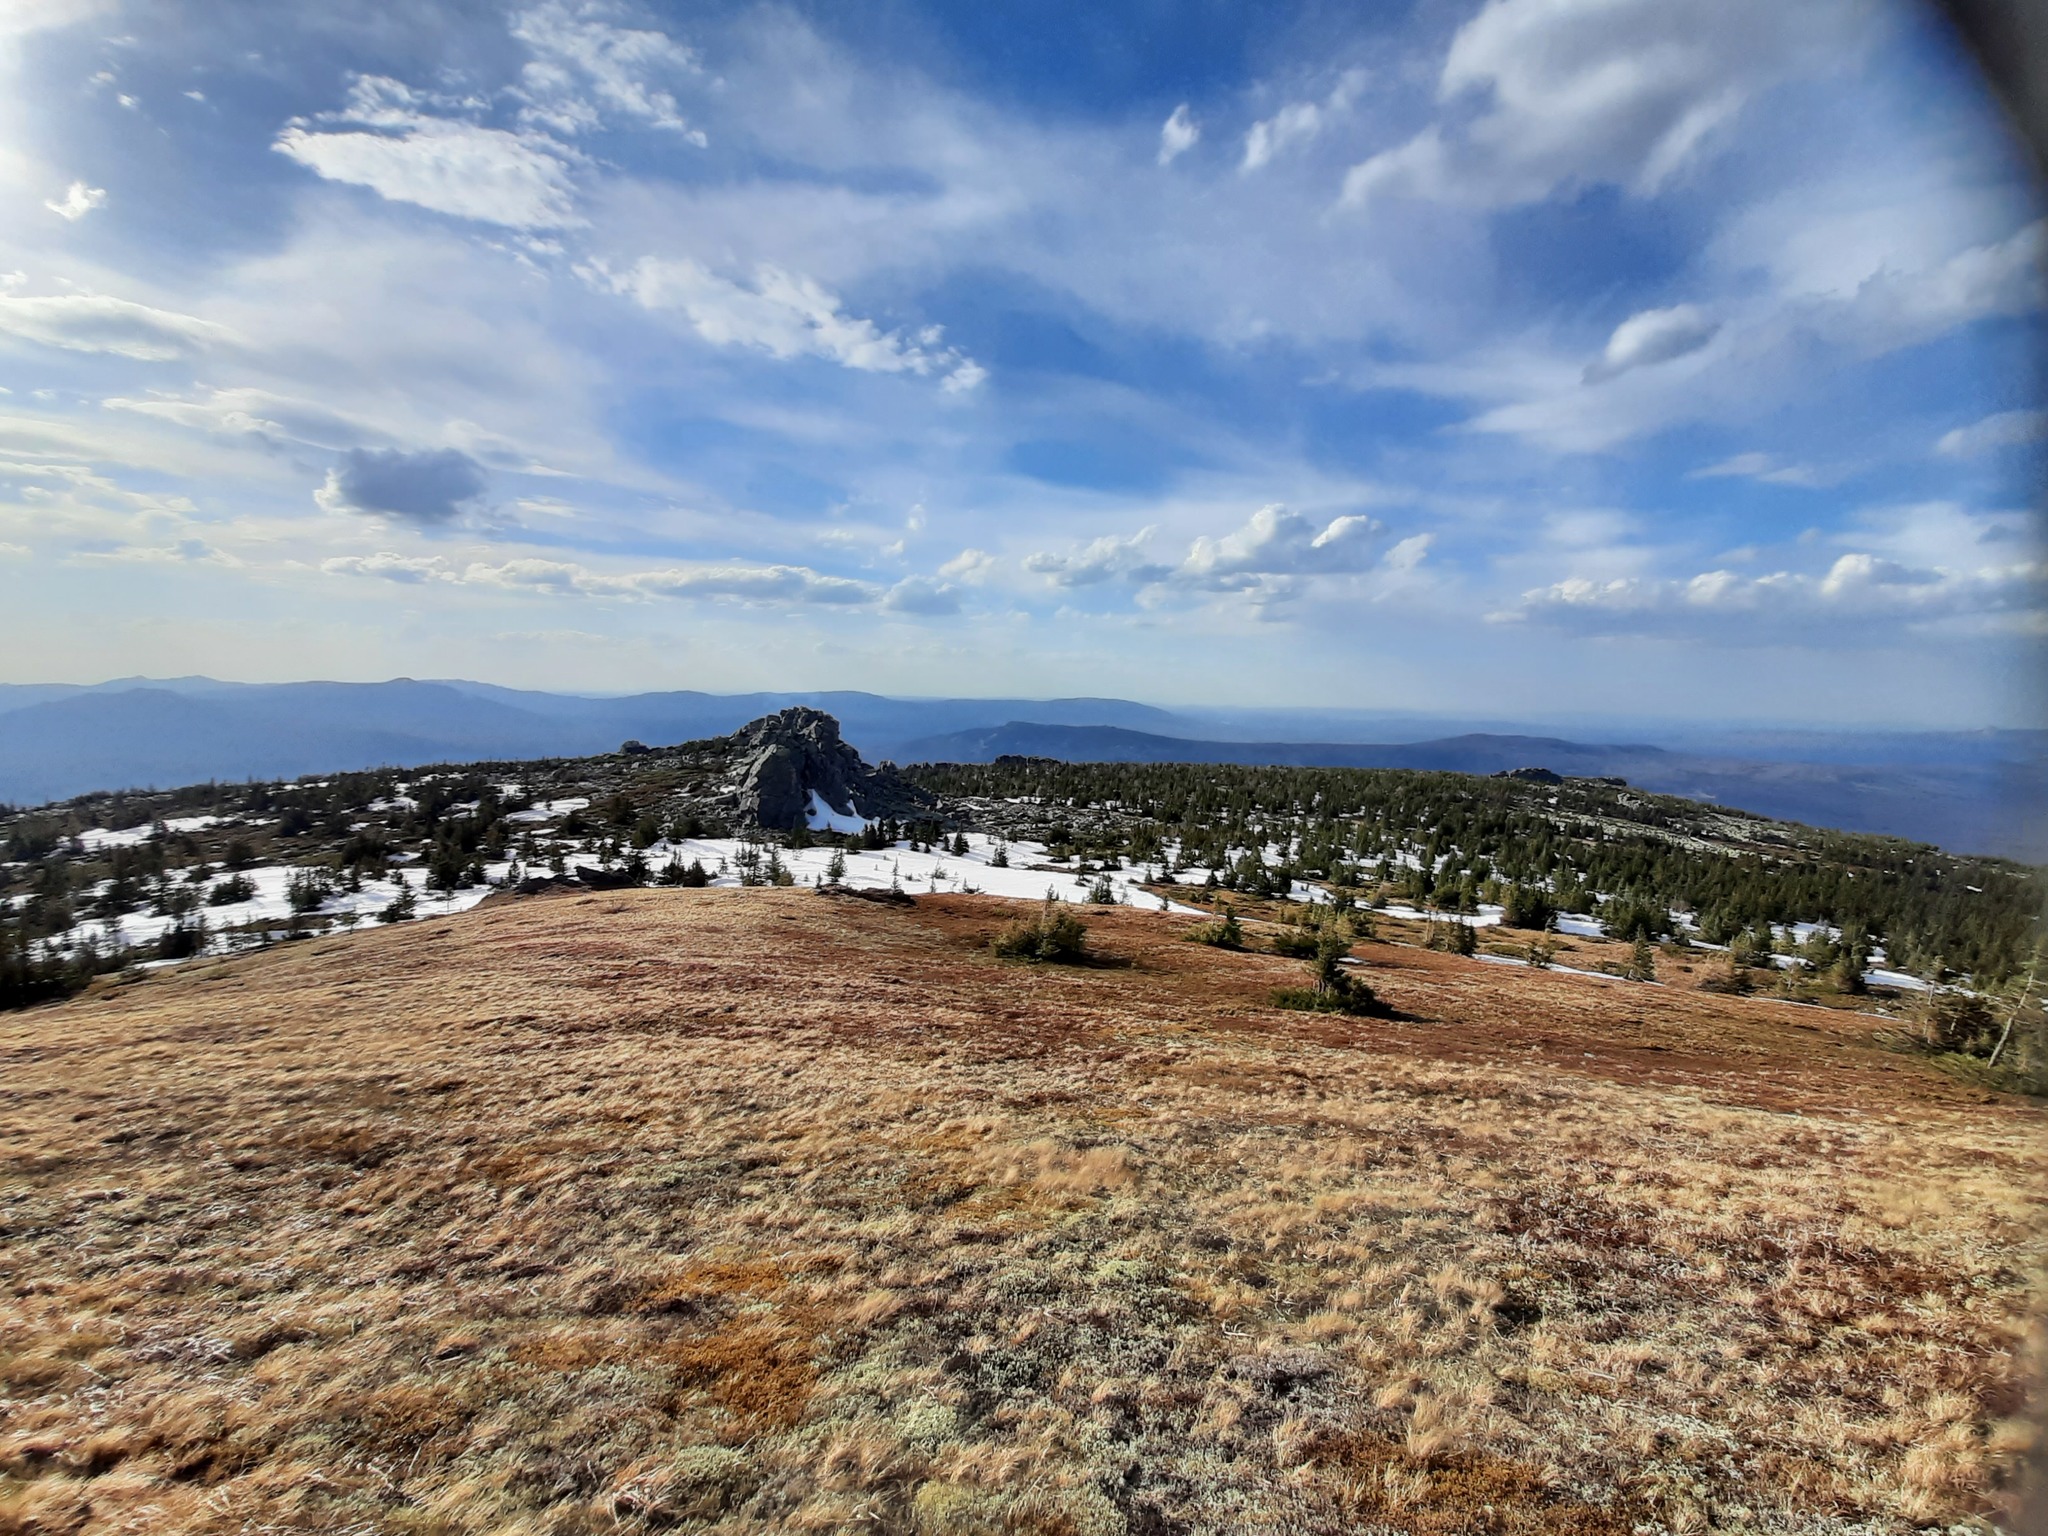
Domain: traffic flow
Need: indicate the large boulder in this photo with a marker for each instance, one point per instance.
(782, 759)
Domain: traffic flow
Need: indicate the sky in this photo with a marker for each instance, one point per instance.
(1669, 358)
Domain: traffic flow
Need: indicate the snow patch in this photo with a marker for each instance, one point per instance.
(822, 818)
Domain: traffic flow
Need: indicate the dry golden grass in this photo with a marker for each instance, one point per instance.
(761, 1211)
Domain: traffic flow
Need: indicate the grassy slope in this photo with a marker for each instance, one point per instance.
(781, 1212)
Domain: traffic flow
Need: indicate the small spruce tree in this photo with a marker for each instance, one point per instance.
(1642, 961)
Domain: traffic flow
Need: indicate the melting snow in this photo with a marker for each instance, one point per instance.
(822, 818)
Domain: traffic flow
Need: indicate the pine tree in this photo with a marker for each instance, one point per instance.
(1642, 961)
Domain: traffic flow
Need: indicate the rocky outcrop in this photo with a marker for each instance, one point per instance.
(781, 760)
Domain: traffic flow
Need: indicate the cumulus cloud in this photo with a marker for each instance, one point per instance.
(1651, 337)
(787, 316)
(1269, 558)
(78, 201)
(920, 595)
(1541, 94)
(576, 49)
(407, 154)
(1109, 558)
(970, 565)
(81, 322)
(1178, 134)
(425, 488)
(409, 570)
(1725, 607)
(1275, 542)
(2007, 429)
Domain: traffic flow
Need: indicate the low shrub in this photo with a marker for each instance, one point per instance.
(1055, 935)
(234, 889)
(1334, 990)
(1225, 932)
(1357, 999)
(1453, 938)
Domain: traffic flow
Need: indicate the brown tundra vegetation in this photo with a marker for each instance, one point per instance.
(753, 1211)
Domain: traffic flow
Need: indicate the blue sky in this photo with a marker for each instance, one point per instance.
(1541, 357)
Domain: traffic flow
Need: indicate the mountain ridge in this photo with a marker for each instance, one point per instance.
(1970, 791)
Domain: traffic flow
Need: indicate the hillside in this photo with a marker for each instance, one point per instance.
(1971, 797)
(761, 1211)
(104, 882)
(1979, 792)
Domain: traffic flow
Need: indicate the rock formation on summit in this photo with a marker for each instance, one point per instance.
(781, 760)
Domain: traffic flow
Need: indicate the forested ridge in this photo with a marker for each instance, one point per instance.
(1445, 837)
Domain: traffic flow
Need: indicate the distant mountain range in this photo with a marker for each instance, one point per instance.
(1976, 792)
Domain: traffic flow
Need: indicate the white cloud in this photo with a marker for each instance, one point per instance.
(2007, 429)
(618, 64)
(406, 569)
(254, 413)
(1543, 94)
(748, 584)
(1299, 122)
(1268, 558)
(1178, 134)
(1409, 554)
(78, 201)
(1108, 558)
(920, 595)
(1296, 122)
(1763, 467)
(970, 565)
(787, 315)
(81, 322)
(405, 154)
(1894, 309)
(455, 168)
(1724, 607)
(1277, 542)
(1765, 350)
(18, 18)
(1651, 337)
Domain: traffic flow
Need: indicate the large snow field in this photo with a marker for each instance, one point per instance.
(272, 905)
(919, 873)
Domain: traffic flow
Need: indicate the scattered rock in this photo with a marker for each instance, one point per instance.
(886, 898)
